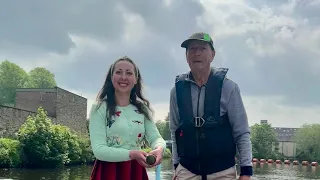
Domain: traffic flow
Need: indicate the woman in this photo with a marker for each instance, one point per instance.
(119, 122)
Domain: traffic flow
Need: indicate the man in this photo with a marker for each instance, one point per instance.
(208, 121)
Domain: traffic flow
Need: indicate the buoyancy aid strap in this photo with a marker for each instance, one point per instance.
(184, 99)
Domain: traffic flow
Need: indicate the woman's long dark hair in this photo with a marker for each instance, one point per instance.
(136, 97)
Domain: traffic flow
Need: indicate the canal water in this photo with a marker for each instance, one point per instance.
(261, 172)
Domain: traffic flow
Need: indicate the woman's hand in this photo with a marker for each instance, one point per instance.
(158, 153)
(139, 156)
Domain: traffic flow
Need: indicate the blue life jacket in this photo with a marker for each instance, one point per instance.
(205, 144)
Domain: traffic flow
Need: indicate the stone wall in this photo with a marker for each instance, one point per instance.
(31, 99)
(71, 110)
(288, 149)
(12, 118)
(62, 106)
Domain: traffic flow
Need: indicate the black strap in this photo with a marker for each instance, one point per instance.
(183, 90)
(213, 93)
(203, 177)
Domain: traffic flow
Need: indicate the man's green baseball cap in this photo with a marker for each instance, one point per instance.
(200, 36)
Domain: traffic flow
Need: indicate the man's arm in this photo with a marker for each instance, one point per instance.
(241, 132)
(174, 124)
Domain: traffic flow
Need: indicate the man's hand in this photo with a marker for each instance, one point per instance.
(244, 178)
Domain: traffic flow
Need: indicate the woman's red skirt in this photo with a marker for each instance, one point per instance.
(128, 170)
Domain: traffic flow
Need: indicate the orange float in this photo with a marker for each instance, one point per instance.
(305, 163)
(314, 164)
(287, 161)
(278, 161)
(270, 160)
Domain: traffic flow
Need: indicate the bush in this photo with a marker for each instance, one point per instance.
(86, 151)
(68, 144)
(48, 145)
(42, 143)
(167, 153)
(9, 153)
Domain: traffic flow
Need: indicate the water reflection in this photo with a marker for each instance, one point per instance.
(285, 171)
(263, 171)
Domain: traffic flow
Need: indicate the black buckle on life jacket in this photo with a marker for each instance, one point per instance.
(199, 122)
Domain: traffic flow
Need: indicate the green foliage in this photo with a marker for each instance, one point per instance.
(48, 145)
(11, 77)
(163, 128)
(41, 145)
(9, 153)
(167, 152)
(86, 151)
(40, 77)
(308, 141)
(263, 140)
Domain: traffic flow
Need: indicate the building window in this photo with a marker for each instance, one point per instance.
(41, 97)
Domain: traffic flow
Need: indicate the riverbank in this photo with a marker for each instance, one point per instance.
(41, 144)
(80, 172)
(78, 152)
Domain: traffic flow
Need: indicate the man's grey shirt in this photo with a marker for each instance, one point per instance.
(231, 103)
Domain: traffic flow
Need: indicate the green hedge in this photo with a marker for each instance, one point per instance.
(10, 151)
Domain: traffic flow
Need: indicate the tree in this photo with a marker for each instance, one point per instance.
(263, 140)
(308, 142)
(11, 77)
(167, 117)
(163, 127)
(40, 77)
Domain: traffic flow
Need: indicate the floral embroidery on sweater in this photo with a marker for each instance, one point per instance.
(137, 111)
(140, 140)
(113, 140)
(137, 122)
(117, 113)
(111, 121)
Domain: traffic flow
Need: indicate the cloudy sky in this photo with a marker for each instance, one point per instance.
(271, 47)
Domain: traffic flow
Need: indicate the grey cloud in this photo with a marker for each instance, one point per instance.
(176, 21)
(300, 8)
(290, 74)
(46, 24)
(156, 65)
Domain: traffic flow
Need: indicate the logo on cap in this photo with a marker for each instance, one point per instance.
(206, 37)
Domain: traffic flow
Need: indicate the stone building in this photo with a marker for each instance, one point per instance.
(285, 137)
(62, 106)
